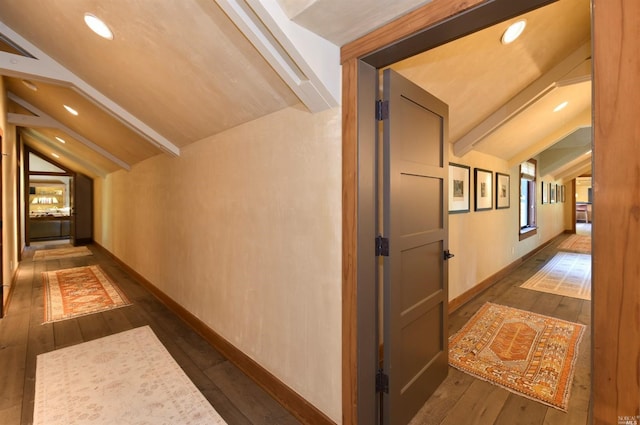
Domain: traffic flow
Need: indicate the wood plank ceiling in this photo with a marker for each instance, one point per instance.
(180, 71)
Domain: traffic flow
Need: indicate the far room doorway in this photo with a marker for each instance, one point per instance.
(58, 203)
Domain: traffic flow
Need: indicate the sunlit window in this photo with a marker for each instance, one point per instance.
(528, 199)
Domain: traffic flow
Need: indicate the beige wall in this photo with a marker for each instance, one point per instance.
(485, 242)
(244, 230)
(9, 196)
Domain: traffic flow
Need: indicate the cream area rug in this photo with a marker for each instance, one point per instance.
(526, 353)
(78, 291)
(576, 243)
(126, 378)
(58, 253)
(567, 274)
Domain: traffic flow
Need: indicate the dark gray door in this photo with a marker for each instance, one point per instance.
(82, 228)
(415, 272)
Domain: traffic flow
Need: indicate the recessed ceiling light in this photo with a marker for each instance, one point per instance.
(513, 32)
(60, 139)
(70, 110)
(98, 26)
(560, 106)
(55, 155)
(30, 85)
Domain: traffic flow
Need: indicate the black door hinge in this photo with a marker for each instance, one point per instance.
(382, 382)
(382, 246)
(448, 255)
(382, 110)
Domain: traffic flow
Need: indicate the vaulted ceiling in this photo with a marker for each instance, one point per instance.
(179, 71)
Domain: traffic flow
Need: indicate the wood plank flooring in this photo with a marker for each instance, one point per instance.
(461, 399)
(23, 336)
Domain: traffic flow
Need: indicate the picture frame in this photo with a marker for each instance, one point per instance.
(503, 191)
(552, 193)
(562, 188)
(544, 189)
(459, 188)
(483, 194)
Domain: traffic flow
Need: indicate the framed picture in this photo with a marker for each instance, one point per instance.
(552, 193)
(459, 188)
(503, 190)
(545, 193)
(562, 193)
(484, 187)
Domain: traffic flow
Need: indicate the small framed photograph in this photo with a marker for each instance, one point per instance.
(503, 190)
(562, 193)
(545, 193)
(552, 193)
(459, 188)
(484, 189)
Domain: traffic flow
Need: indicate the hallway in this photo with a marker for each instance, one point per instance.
(463, 399)
(460, 399)
(23, 336)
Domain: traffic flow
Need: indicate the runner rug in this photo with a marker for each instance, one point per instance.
(58, 253)
(525, 353)
(126, 378)
(78, 291)
(567, 274)
(576, 243)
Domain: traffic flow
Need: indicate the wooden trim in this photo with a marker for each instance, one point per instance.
(349, 243)
(304, 411)
(382, 41)
(467, 296)
(526, 235)
(405, 26)
(616, 248)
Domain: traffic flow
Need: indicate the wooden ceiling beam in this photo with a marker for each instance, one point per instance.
(55, 146)
(46, 69)
(581, 120)
(575, 169)
(306, 62)
(522, 100)
(44, 118)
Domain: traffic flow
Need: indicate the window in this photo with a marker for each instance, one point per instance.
(528, 186)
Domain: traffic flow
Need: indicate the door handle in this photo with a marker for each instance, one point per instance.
(448, 255)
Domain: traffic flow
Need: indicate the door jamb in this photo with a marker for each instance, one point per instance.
(429, 26)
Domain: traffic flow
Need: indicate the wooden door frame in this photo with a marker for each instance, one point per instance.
(616, 346)
(27, 177)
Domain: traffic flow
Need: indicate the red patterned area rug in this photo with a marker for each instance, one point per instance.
(526, 353)
(567, 274)
(576, 243)
(125, 378)
(78, 291)
(58, 253)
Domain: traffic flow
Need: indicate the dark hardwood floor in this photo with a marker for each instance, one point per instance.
(23, 337)
(461, 399)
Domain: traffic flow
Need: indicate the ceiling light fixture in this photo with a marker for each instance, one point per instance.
(561, 106)
(513, 32)
(30, 85)
(98, 26)
(60, 139)
(70, 110)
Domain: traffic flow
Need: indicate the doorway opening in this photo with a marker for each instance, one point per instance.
(48, 200)
(360, 186)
